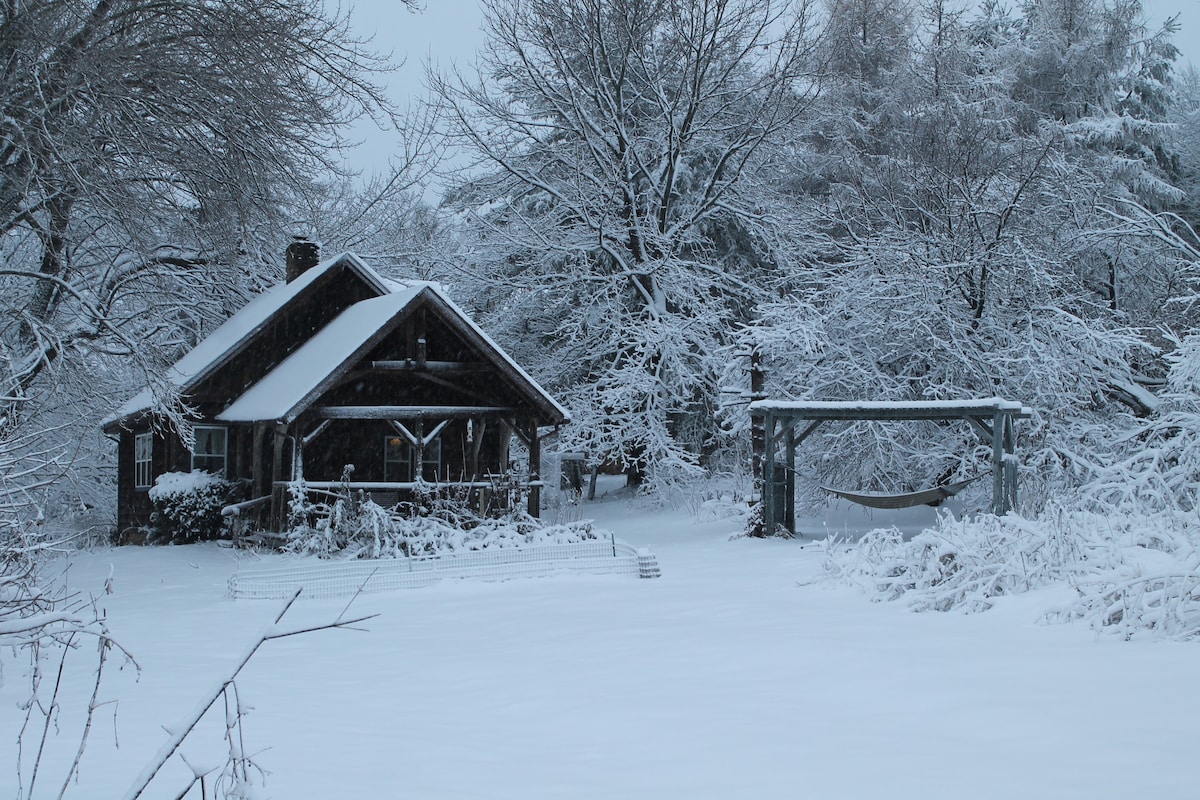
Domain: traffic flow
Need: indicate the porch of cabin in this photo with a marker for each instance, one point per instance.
(466, 455)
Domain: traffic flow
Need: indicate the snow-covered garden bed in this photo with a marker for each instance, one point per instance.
(325, 578)
(348, 544)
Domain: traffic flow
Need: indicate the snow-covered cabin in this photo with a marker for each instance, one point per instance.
(335, 367)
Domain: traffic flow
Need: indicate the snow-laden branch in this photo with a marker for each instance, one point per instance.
(178, 732)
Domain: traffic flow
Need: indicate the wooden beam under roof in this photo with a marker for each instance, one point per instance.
(415, 365)
(410, 412)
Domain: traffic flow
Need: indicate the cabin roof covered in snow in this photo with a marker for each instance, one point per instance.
(303, 376)
(300, 374)
(226, 341)
(295, 383)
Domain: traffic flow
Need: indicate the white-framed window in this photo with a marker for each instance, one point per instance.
(399, 460)
(143, 460)
(209, 454)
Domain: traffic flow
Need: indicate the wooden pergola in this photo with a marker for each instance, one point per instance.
(991, 418)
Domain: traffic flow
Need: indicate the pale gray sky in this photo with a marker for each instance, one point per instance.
(447, 31)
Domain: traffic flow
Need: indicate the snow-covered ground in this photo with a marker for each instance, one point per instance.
(723, 678)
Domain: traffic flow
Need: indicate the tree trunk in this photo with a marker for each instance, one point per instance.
(54, 245)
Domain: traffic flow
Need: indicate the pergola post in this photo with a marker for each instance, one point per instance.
(999, 495)
(768, 473)
(789, 500)
(1010, 463)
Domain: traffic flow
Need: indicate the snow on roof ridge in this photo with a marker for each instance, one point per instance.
(286, 386)
(215, 348)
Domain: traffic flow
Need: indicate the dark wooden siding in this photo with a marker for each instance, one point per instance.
(133, 504)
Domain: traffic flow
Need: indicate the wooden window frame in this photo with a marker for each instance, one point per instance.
(143, 460)
(206, 458)
(431, 457)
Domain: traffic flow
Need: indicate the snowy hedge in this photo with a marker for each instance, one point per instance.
(1130, 575)
(187, 506)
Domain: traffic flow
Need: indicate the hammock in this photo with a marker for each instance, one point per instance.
(932, 496)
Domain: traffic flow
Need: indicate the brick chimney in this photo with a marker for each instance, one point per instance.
(302, 255)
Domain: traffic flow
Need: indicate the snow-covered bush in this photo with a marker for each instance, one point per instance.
(1157, 466)
(961, 565)
(351, 525)
(1131, 574)
(187, 506)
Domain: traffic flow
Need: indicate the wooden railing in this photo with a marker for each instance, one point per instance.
(237, 518)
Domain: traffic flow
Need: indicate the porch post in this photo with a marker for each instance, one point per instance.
(789, 502)
(535, 470)
(257, 474)
(768, 471)
(278, 497)
(475, 430)
(419, 434)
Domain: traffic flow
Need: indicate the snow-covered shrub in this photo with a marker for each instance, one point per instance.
(1132, 574)
(1155, 588)
(1157, 466)
(354, 526)
(719, 495)
(959, 565)
(187, 506)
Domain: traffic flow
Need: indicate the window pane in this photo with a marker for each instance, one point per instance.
(143, 463)
(431, 461)
(397, 459)
(210, 441)
(209, 454)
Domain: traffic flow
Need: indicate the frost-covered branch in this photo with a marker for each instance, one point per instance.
(181, 730)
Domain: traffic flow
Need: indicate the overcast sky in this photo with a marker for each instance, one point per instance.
(447, 31)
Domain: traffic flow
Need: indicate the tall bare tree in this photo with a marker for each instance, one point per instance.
(148, 152)
(618, 143)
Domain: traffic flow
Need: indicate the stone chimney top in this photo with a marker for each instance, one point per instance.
(302, 255)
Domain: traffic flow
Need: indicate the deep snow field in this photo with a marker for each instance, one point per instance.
(724, 678)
